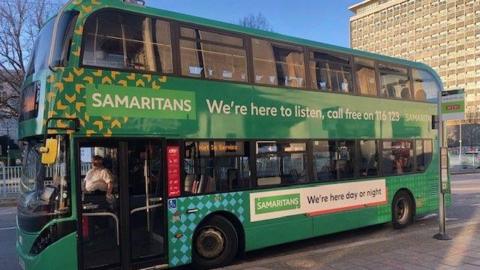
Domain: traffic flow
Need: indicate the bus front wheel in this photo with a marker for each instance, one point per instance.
(215, 243)
(402, 210)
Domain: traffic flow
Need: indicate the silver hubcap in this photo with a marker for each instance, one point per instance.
(210, 243)
(402, 210)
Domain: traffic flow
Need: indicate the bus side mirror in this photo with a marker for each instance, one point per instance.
(49, 151)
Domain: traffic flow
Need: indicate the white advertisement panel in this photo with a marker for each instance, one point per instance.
(317, 200)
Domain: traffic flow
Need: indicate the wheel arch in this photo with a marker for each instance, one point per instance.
(235, 222)
(410, 194)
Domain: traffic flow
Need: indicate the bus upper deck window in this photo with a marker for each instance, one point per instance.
(331, 72)
(365, 74)
(425, 86)
(126, 41)
(211, 55)
(264, 62)
(278, 64)
(395, 82)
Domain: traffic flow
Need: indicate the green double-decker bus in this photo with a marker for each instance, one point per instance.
(155, 139)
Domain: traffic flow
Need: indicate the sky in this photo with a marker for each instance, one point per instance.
(319, 20)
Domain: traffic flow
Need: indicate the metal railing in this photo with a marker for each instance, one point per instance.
(10, 178)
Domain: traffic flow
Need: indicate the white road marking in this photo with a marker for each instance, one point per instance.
(8, 228)
(8, 213)
(466, 189)
(428, 217)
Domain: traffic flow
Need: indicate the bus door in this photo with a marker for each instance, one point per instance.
(122, 204)
(146, 211)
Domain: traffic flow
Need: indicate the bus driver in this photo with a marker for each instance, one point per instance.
(99, 178)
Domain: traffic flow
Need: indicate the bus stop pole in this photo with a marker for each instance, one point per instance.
(443, 177)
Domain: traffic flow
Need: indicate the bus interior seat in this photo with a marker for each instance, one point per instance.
(420, 95)
(391, 92)
(189, 178)
(405, 93)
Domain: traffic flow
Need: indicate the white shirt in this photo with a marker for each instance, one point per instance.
(97, 179)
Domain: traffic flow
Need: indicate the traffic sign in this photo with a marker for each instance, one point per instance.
(453, 105)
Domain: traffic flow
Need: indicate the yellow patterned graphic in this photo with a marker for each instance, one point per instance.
(78, 71)
(66, 96)
(71, 98)
(88, 79)
(79, 88)
(106, 80)
(98, 73)
(69, 78)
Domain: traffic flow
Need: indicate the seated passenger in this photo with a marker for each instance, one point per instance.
(99, 178)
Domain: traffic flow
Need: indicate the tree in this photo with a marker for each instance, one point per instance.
(256, 21)
(20, 23)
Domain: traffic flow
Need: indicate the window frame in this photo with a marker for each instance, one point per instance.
(280, 153)
(350, 58)
(181, 143)
(409, 75)
(438, 84)
(173, 41)
(178, 37)
(413, 157)
(281, 45)
(310, 179)
(175, 37)
(377, 76)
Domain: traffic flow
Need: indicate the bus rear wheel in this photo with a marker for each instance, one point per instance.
(215, 243)
(402, 210)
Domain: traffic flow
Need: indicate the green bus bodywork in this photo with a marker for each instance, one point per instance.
(67, 92)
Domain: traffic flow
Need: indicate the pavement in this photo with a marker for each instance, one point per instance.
(382, 247)
(415, 249)
(375, 247)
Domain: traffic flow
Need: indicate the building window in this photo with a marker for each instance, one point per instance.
(331, 72)
(278, 64)
(281, 163)
(365, 77)
(212, 56)
(126, 41)
(394, 82)
(216, 166)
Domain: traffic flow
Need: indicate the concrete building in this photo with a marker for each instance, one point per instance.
(444, 34)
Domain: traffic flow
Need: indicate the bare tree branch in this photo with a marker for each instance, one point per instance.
(20, 24)
(256, 21)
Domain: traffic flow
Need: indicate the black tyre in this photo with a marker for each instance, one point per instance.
(215, 243)
(403, 210)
